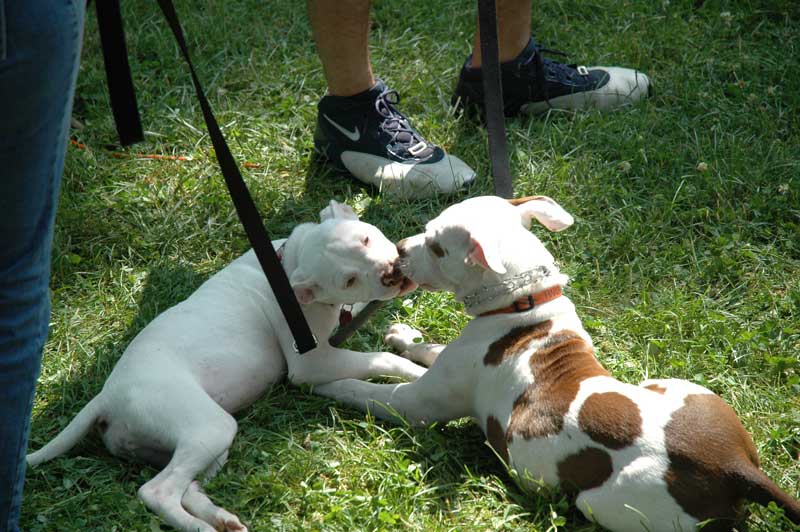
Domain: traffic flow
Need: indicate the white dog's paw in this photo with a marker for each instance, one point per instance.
(234, 525)
(227, 522)
(401, 337)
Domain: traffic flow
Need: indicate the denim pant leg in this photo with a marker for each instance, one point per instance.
(40, 43)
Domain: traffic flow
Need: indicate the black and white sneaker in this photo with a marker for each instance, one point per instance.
(533, 84)
(367, 136)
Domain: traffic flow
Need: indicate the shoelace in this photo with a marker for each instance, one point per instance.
(543, 67)
(396, 124)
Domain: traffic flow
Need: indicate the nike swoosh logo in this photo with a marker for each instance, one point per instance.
(352, 135)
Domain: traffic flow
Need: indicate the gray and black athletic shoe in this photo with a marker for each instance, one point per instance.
(533, 84)
(368, 137)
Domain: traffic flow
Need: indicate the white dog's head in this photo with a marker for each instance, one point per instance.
(481, 241)
(344, 260)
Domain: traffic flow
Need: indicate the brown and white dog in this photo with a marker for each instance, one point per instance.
(662, 456)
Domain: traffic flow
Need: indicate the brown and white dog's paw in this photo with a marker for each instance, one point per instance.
(402, 337)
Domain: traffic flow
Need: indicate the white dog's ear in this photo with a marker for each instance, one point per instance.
(546, 211)
(340, 211)
(304, 288)
(486, 256)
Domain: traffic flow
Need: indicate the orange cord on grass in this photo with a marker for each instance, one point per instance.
(152, 156)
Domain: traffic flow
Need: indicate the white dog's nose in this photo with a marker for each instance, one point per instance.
(392, 277)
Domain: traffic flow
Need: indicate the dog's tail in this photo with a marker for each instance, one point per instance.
(71, 435)
(757, 487)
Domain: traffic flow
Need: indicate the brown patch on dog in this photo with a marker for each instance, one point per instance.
(610, 419)
(656, 388)
(558, 368)
(525, 199)
(708, 451)
(515, 342)
(436, 249)
(584, 470)
(496, 437)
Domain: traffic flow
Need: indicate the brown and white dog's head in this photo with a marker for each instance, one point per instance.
(343, 260)
(481, 241)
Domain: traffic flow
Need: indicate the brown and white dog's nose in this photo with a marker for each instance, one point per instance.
(401, 248)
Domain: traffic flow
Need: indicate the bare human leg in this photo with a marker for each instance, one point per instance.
(341, 31)
(514, 30)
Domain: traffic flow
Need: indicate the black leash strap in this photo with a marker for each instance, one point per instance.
(493, 98)
(118, 72)
(245, 207)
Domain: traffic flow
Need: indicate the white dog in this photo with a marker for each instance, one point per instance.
(170, 397)
(662, 456)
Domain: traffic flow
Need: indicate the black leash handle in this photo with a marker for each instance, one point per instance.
(245, 207)
(493, 98)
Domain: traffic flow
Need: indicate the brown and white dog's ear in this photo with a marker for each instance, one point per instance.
(304, 288)
(546, 211)
(339, 211)
(486, 255)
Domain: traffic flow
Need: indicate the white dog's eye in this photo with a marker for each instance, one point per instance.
(350, 282)
(365, 240)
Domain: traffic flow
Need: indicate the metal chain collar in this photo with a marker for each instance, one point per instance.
(507, 286)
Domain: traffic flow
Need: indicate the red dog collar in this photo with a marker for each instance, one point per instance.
(528, 302)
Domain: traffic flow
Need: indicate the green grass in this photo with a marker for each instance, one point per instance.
(680, 269)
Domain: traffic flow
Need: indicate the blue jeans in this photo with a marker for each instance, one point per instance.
(40, 43)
